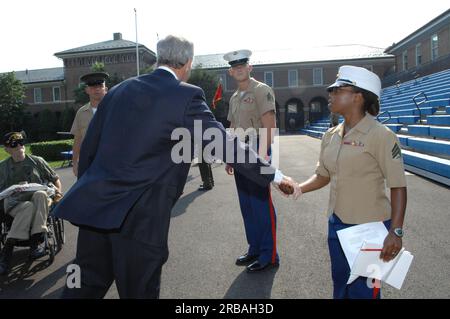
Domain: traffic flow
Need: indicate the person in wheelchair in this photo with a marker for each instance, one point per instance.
(29, 210)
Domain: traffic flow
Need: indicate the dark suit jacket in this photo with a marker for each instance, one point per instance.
(125, 160)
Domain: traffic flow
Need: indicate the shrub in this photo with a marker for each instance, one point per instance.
(51, 150)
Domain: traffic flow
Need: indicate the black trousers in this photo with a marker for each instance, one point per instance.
(206, 174)
(132, 256)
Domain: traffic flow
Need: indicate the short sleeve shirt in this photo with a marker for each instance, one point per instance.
(360, 166)
(33, 169)
(247, 107)
(82, 119)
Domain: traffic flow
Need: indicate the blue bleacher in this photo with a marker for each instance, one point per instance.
(432, 164)
(440, 132)
(424, 135)
(423, 130)
(429, 146)
(395, 127)
(438, 119)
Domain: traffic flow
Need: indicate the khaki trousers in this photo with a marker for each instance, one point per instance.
(30, 217)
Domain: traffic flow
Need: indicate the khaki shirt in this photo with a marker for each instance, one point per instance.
(82, 119)
(247, 107)
(358, 166)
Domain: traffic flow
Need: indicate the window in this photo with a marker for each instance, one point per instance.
(317, 76)
(316, 107)
(268, 78)
(37, 95)
(292, 108)
(418, 54)
(56, 94)
(434, 47)
(292, 78)
(405, 60)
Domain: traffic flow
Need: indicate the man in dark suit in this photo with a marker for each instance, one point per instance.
(128, 181)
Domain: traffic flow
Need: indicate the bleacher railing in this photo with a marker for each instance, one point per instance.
(389, 114)
(425, 100)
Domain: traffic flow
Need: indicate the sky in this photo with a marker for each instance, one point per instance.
(32, 31)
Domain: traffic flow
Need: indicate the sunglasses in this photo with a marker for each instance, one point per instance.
(14, 143)
(338, 89)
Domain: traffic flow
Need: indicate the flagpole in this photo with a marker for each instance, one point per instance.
(137, 45)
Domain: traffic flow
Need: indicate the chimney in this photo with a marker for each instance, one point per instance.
(117, 36)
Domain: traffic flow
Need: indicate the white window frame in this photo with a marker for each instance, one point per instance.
(432, 56)
(418, 50)
(53, 91)
(266, 73)
(295, 84)
(405, 60)
(36, 95)
(315, 80)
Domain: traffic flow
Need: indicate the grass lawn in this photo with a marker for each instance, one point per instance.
(3, 155)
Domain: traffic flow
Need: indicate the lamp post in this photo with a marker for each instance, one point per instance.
(137, 45)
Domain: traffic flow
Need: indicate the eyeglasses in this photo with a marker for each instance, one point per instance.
(337, 89)
(14, 143)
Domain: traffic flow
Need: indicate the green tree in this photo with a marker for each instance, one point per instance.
(67, 118)
(208, 81)
(12, 107)
(48, 125)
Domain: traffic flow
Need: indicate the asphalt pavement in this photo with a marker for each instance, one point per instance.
(207, 234)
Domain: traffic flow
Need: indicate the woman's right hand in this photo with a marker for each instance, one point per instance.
(229, 169)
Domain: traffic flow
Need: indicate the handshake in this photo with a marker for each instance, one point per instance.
(289, 187)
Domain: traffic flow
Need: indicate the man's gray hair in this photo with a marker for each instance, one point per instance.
(174, 51)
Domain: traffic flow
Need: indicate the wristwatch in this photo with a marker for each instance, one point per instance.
(398, 232)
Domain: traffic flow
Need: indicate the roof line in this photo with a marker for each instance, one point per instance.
(419, 31)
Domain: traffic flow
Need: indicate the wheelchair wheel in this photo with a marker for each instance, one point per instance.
(50, 245)
(60, 235)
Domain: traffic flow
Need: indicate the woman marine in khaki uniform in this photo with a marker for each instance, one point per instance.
(358, 158)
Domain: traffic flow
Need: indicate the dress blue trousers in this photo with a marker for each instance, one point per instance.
(340, 270)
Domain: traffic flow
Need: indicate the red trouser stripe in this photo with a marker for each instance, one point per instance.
(272, 220)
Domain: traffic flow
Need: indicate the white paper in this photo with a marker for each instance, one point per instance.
(368, 263)
(352, 238)
(30, 187)
(398, 274)
(362, 246)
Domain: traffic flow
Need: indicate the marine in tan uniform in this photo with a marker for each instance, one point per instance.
(96, 89)
(29, 209)
(359, 157)
(252, 106)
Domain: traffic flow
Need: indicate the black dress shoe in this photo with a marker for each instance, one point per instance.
(37, 252)
(257, 267)
(204, 187)
(246, 259)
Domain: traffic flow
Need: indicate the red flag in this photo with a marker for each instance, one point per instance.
(217, 95)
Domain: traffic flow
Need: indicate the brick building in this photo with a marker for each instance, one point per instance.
(53, 88)
(299, 77)
(425, 51)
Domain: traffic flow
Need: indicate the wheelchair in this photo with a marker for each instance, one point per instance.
(54, 239)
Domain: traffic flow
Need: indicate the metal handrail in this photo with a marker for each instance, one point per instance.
(420, 103)
(389, 114)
